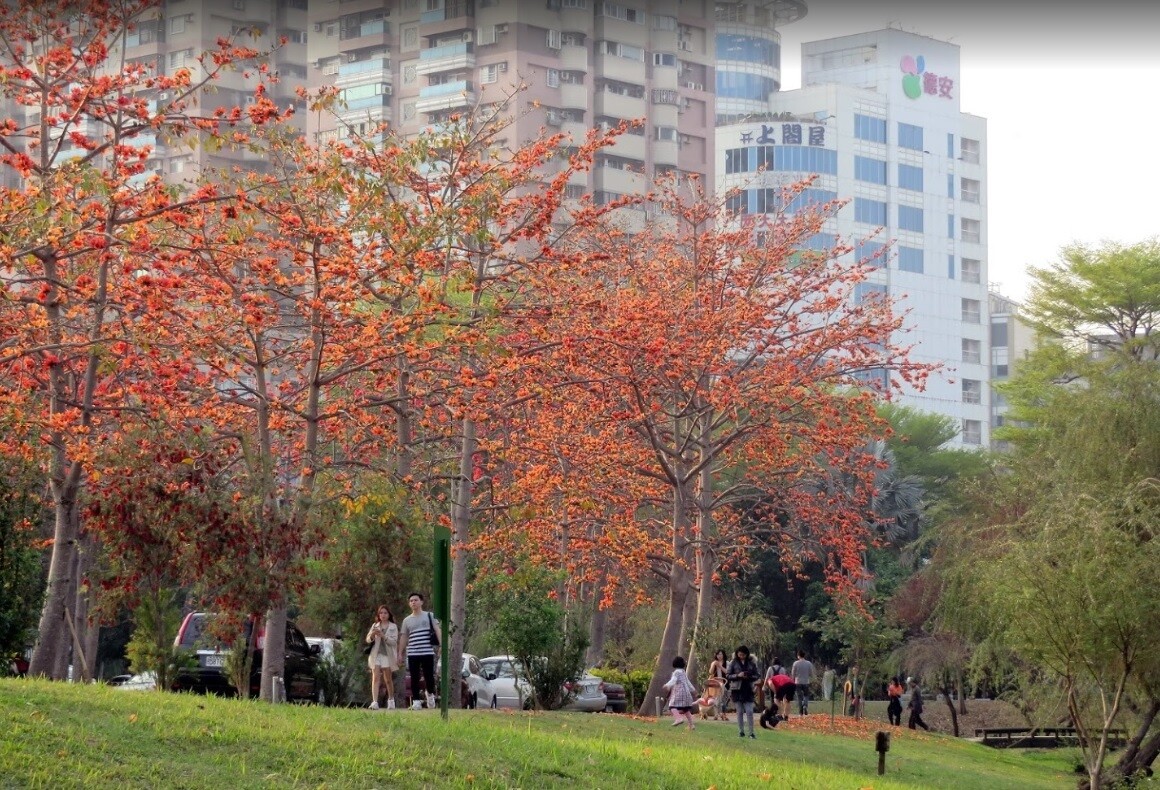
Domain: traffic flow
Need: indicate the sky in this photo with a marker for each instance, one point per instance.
(1071, 94)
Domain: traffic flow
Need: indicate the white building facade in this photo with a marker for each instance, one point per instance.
(877, 120)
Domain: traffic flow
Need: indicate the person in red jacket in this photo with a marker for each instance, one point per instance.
(781, 689)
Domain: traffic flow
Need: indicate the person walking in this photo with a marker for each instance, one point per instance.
(742, 674)
(894, 693)
(915, 706)
(419, 637)
(717, 680)
(682, 694)
(802, 673)
(383, 660)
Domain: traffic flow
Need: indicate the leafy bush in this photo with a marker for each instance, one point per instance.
(151, 649)
(635, 682)
(342, 676)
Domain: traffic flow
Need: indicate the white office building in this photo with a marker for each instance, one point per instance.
(877, 119)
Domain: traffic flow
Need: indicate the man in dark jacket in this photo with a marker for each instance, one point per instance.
(915, 706)
(742, 674)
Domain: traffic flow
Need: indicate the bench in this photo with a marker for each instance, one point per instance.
(1039, 737)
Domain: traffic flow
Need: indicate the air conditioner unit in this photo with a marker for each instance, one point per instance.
(696, 86)
(163, 96)
(501, 28)
(351, 57)
(468, 36)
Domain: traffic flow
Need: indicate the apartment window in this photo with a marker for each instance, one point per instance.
(554, 39)
(489, 74)
(910, 177)
(552, 78)
(910, 259)
(870, 253)
(617, 11)
(972, 311)
(972, 270)
(668, 134)
(969, 150)
(972, 432)
(664, 22)
(871, 211)
(180, 58)
(950, 145)
(869, 170)
(972, 230)
(910, 218)
(950, 267)
(869, 292)
(872, 129)
(969, 190)
(950, 185)
(999, 334)
(972, 351)
(177, 25)
(664, 59)
(909, 136)
(972, 391)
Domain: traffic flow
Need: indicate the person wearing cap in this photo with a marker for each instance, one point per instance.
(742, 674)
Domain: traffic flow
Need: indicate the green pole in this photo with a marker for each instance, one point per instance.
(442, 596)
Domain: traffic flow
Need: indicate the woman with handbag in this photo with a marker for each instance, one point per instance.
(383, 655)
(715, 686)
(742, 674)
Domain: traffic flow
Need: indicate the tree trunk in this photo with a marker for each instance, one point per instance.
(688, 618)
(707, 566)
(949, 699)
(461, 507)
(961, 690)
(596, 629)
(50, 655)
(273, 652)
(88, 628)
(670, 640)
(1126, 766)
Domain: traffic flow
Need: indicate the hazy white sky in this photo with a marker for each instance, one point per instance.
(1072, 101)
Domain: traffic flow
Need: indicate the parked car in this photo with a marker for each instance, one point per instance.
(587, 694)
(326, 645)
(617, 697)
(510, 688)
(209, 676)
(475, 690)
(145, 681)
(513, 691)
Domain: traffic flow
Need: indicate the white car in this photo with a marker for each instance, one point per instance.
(326, 645)
(588, 694)
(513, 691)
(510, 688)
(145, 681)
(479, 686)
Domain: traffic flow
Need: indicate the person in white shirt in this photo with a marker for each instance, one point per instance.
(802, 673)
(383, 637)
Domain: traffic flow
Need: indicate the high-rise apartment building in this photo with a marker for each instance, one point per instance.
(878, 121)
(748, 57)
(585, 63)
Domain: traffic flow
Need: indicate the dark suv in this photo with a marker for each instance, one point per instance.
(209, 676)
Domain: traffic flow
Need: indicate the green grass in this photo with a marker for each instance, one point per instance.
(61, 735)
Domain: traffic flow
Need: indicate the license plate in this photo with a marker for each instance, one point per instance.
(214, 660)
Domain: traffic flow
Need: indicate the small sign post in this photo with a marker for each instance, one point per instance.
(882, 744)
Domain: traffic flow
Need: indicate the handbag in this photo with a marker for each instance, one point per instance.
(368, 648)
(434, 634)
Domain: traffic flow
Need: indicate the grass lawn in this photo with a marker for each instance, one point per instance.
(65, 735)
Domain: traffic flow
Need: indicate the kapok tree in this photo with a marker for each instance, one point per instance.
(75, 237)
(721, 352)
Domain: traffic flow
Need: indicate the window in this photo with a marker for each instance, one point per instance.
(950, 145)
(410, 37)
(662, 22)
(950, 185)
(950, 267)
(792, 158)
(972, 391)
(177, 25)
(870, 253)
(554, 41)
(972, 230)
(969, 150)
(909, 136)
(969, 190)
(667, 133)
(910, 218)
(972, 270)
(999, 334)
(870, 170)
(972, 351)
(972, 311)
(950, 226)
(869, 292)
(664, 59)
(489, 74)
(972, 432)
(910, 259)
(871, 211)
(872, 129)
(552, 78)
(910, 177)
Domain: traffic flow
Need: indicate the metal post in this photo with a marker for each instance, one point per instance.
(442, 606)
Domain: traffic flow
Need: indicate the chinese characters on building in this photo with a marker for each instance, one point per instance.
(786, 134)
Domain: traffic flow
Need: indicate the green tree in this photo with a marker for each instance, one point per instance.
(21, 577)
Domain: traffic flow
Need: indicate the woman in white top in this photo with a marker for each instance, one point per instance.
(383, 637)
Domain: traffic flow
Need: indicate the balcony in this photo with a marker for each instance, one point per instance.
(361, 71)
(574, 58)
(619, 105)
(446, 96)
(382, 101)
(449, 57)
(448, 12)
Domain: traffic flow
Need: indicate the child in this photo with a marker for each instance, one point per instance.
(682, 694)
